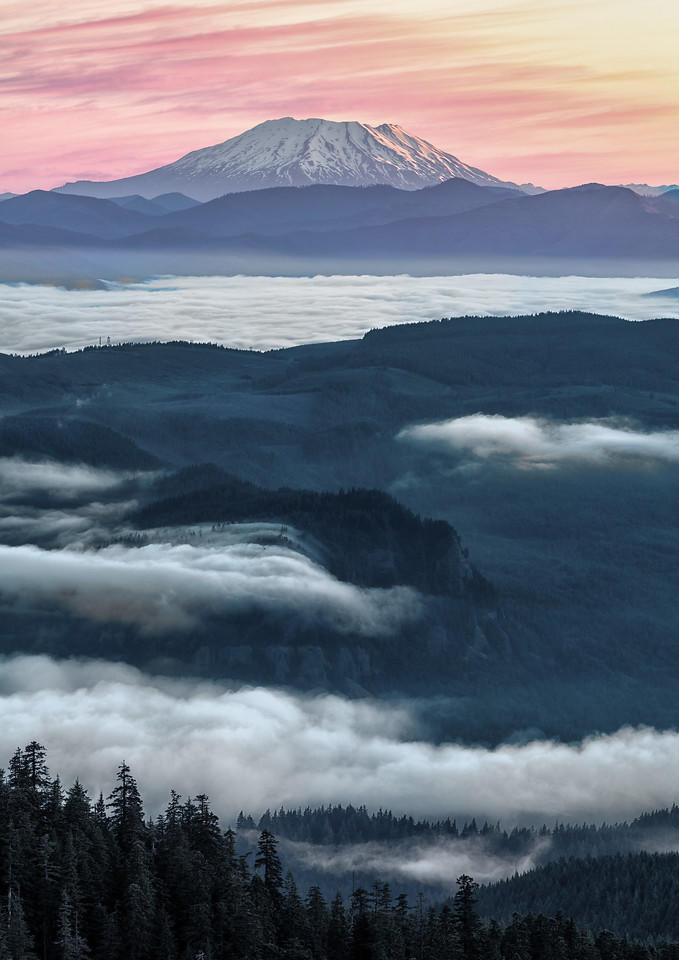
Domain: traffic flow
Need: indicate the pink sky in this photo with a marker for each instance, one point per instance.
(557, 92)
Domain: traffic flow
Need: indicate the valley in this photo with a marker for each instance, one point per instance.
(569, 535)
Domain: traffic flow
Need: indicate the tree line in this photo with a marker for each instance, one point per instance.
(87, 879)
(338, 824)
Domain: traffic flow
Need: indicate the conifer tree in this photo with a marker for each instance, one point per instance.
(77, 807)
(18, 775)
(338, 930)
(268, 859)
(466, 918)
(18, 939)
(206, 834)
(34, 760)
(125, 803)
(100, 813)
(317, 921)
(76, 884)
(293, 919)
(73, 944)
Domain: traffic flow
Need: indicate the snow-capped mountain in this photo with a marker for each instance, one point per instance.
(644, 190)
(289, 152)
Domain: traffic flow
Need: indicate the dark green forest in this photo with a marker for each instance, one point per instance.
(83, 879)
(337, 824)
(634, 893)
(367, 536)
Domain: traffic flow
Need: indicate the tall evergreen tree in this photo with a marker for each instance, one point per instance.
(72, 942)
(466, 917)
(338, 930)
(317, 922)
(35, 764)
(124, 802)
(19, 942)
(268, 860)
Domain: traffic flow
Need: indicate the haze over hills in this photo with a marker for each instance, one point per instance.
(452, 227)
(289, 152)
(157, 206)
(548, 442)
(269, 212)
(77, 214)
(299, 197)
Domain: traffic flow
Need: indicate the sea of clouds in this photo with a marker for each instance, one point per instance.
(251, 748)
(268, 312)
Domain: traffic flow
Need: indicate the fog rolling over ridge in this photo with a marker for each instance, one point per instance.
(166, 587)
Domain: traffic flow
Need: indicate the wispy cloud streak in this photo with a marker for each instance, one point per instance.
(534, 442)
(121, 90)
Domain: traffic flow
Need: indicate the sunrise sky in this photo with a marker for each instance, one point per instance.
(557, 92)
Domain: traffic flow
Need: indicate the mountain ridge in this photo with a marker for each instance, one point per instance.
(451, 217)
(453, 226)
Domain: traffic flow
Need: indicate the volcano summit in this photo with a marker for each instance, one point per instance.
(298, 153)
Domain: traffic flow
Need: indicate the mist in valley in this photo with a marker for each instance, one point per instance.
(269, 312)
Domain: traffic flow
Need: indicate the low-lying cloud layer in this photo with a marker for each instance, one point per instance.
(267, 312)
(20, 478)
(253, 748)
(533, 442)
(169, 587)
(87, 525)
(52, 504)
(433, 862)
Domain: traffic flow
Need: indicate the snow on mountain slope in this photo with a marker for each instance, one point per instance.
(644, 190)
(289, 152)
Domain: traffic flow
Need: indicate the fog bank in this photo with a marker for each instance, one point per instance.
(253, 748)
(537, 442)
(165, 587)
(437, 861)
(267, 312)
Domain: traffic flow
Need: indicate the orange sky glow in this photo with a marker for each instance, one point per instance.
(556, 92)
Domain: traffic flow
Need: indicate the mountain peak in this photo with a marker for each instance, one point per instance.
(291, 152)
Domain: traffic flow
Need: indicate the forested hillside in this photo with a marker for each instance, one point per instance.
(636, 894)
(83, 879)
(366, 536)
(569, 511)
(336, 825)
